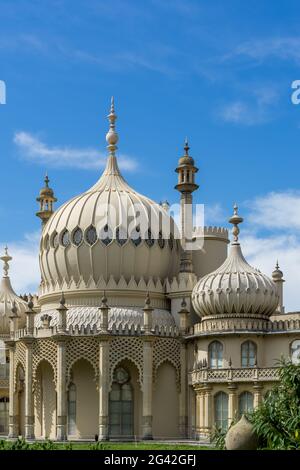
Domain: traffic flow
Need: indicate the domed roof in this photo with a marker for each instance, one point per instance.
(110, 231)
(9, 299)
(235, 288)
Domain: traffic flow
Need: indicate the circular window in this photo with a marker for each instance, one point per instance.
(77, 236)
(149, 239)
(161, 241)
(55, 240)
(171, 241)
(121, 236)
(91, 235)
(65, 238)
(136, 236)
(106, 235)
(121, 376)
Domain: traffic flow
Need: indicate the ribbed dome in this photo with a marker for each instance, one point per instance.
(108, 231)
(235, 288)
(8, 298)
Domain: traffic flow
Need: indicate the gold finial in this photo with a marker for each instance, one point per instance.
(112, 137)
(6, 258)
(235, 220)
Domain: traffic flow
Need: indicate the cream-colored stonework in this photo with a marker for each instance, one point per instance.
(137, 339)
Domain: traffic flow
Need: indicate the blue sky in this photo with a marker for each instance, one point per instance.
(217, 72)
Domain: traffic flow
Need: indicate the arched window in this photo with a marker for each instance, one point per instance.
(245, 403)
(221, 411)
(72, 429)
(249, 354)
(215, 354)
(121, 405)
(4, 404)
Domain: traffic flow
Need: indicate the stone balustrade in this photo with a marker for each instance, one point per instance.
(255, 374)
(233, 325)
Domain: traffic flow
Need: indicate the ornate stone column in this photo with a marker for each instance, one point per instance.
(61, 391)
(13, 403)
(183, 419)
(199, 412)
(207, 410)
(103, 381)
(147, 371)
(257, 387)
(232, 403)
(103, 387)
(29, 403)
(147, 387)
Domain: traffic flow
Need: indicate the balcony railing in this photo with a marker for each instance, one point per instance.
(254, 374)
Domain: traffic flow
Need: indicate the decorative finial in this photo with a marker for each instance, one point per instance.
(235, 220)
(46, 180)
(6, 258)
(62, 300)
(147, 300)
(30, 302)
(277, 274)
(277, 265)
(186, 147)
(104, 300)
(112, 137)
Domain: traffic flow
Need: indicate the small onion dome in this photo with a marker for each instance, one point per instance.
(235, 288)
(9, 299)
(46, 191)
(277, 274)
(186, 159)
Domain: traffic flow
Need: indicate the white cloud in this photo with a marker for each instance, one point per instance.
(256, 109)
(283, 48)
(276, 210)
(24, 269)
(35, 150)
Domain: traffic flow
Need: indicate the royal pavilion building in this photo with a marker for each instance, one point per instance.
(136, 332)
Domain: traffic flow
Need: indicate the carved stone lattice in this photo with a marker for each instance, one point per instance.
(20, 359)
(166, 350)
(126, 348)
(82, 348)
(44, 350)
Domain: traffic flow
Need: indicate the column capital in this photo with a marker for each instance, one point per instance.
(257, 386)
(232, 387)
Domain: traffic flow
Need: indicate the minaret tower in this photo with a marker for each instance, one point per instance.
(186, 186)
(277, 277)
(46, 200)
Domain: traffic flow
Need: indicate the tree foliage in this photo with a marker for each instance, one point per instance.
(277, 419)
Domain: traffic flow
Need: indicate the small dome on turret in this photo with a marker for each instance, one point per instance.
(46, 191)
(235, 288)
(277, 274)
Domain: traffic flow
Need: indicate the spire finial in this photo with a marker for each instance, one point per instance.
(235, 220)
(112, 137)
(186, 147)
(46, 180)
(6, 258)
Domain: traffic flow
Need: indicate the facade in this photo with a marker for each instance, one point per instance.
(134, 333)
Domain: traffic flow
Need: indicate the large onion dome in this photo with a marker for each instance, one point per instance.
(235, 288)
(9, 299)
(109, 234)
